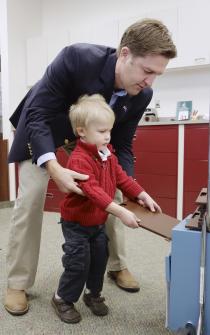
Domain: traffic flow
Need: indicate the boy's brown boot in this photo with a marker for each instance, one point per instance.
(96, 304)
(66, 312)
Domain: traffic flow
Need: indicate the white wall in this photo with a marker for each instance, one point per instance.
(78, 17)
(68, 13)
(18, 21)
(183, 85)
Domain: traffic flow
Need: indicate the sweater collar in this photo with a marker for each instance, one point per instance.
(92, 148)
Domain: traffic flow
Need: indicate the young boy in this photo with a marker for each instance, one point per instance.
(83, 217)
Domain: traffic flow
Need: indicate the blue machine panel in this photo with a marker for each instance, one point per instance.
(183, 278)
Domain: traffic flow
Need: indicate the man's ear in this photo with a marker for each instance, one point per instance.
(80, 131)
(124, 52)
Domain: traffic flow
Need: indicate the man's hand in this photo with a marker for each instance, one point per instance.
(145, 200)
(65, 178)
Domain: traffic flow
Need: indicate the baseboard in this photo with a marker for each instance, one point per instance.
(6, 204)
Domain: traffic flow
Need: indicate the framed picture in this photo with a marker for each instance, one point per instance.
(183, 110)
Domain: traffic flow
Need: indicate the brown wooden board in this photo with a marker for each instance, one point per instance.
(195, 222)
(158, 223)
(202, 197)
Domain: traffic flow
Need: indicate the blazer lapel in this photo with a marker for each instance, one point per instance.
(108, 76)
(104, 85)
(121, 107)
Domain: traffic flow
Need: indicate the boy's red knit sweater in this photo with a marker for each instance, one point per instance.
(99, 189)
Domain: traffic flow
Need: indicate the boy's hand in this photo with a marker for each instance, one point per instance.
(129, 219)
(145, 200)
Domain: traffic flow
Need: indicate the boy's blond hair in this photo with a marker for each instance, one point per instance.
(89, 109)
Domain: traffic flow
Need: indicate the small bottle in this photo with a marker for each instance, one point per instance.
(157, 107)
(157, 103)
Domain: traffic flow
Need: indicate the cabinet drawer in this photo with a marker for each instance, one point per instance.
(51, 185)
(156, 139)
(4, 174)
(53, 195)
(62, 157)
(52, 201)
(195, 175)
(196, 142)
(164, 186)
(156, 163)
(167, 205)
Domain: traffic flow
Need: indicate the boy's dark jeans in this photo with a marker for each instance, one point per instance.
(84, 261)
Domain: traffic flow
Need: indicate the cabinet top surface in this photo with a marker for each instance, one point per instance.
(165, 121)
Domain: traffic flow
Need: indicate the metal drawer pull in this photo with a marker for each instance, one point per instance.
(49, 195)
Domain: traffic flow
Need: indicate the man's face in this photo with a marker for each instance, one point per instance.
(133, 73)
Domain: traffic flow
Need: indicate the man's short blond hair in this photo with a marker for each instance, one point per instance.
(90, 109)
(148, 37)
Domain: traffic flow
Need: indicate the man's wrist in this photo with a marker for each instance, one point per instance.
(41, 161)
(52, 166)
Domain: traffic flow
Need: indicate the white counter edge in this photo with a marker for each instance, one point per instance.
(171, 123)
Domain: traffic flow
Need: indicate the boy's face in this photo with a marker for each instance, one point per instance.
(97, 133)
(134, 73)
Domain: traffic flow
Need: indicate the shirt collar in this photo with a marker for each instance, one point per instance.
(115, 95)
(104, 154)
(120, 93)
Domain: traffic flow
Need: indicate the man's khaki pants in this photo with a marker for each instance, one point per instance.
(26, 224)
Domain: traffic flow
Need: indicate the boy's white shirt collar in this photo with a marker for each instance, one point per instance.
(104, 154)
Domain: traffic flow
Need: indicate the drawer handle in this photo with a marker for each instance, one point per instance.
(134, 137)
(49, 195)
(134, 159)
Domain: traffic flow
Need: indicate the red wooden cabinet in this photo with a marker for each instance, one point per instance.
(155, 164)
(196, 141)
(53, 195)
(4, 173)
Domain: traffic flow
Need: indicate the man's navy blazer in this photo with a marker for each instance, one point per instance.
(41, 119)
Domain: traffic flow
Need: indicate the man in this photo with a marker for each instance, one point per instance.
(124, 79)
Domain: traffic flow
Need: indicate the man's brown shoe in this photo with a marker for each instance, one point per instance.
(66, 312)
(16, 302)
(125, 280)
